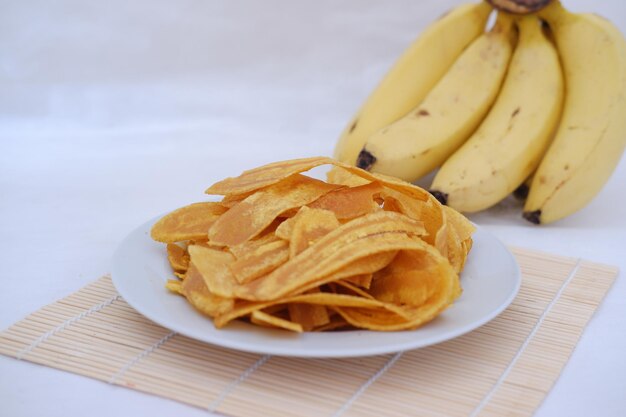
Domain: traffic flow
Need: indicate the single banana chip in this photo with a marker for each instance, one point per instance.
(187, 223)
(199, 296)
(339, 175)
(309, 316)
(213, 266)
(260, 261)
(363, 280)
(264, 319)
(265, 175)
(351, 202)
(244, 249)
(309, 226)
(177, 257)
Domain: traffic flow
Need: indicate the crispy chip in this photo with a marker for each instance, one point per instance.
(429, 211)
(391, 182)
(336, 323)
(362, 280)
(263, 259)
(174, 286)
(214, 267)
(259, 317)
(177, 257)
(424, 284)
(187, 223)
(348, 203)
(467, 244)
(455, 252)
(265, 175)
(345, 283)
(407, 280)
(463, 227)
(401, 203)
(196, 291)
(309, 226)
(244, 249)
(363, 266)
(232, 200)
(285, 230)
(276, 310)
(309, 316)
(339, 175)
(256, 212)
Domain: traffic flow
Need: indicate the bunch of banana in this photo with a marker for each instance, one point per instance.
(537, 101)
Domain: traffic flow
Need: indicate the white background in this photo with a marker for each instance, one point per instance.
(113, 112)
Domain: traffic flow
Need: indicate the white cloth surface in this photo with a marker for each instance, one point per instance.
(114, 112)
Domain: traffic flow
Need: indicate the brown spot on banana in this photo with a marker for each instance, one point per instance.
(422, 112)
(365, 160)
(353, 126)
(515, 112)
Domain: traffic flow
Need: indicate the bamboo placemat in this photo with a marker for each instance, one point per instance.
(503, 368)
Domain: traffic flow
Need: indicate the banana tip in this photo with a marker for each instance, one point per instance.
(365, 160)
(533, 216)
(440, 196)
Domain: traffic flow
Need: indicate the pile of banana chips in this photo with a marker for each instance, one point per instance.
(285, 250)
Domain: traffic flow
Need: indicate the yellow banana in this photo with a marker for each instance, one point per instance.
(509, 144)
(413, 75)
(592, 133)
(422, 140)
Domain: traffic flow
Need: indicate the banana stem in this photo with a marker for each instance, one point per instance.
(520, 6)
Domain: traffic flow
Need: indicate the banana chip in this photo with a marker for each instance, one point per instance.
(214, 267)
(187, 223)
(287, 251)
(363, 280)
(198, 294)
(177, 257)
(309, 316)
(264, 319)
(258, 262)
(339, 175)
(349, 203)
(265, 175)
(309, 226)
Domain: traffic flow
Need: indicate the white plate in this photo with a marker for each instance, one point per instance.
(490, 281)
